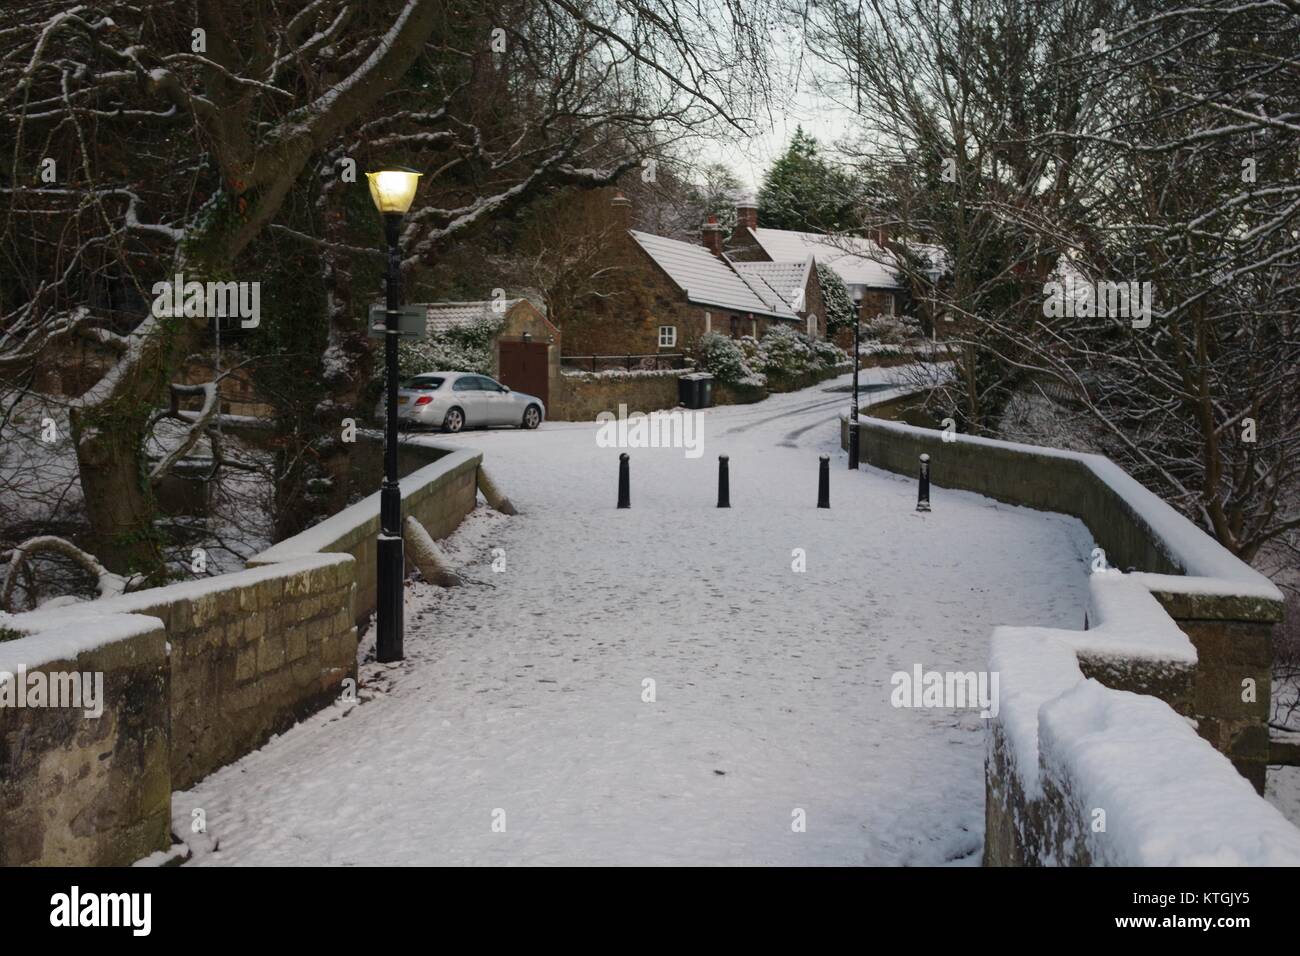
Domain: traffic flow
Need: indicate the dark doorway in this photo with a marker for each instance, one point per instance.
(524, 368)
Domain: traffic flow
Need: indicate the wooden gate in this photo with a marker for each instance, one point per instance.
(524, 368)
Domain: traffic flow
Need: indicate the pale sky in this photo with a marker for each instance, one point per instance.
(799, 105)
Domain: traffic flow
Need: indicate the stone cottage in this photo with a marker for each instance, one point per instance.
(676, 291)
(866, 265)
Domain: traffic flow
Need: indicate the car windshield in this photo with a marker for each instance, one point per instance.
(423, 384)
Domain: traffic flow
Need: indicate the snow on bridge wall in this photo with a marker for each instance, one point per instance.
(438, 495)
(195, 675)
(1186, 635)
(1080, 773)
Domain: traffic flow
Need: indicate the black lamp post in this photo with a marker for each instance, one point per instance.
(392, 190)
(853, 414)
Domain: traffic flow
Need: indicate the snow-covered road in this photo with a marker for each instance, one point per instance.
(521, 704)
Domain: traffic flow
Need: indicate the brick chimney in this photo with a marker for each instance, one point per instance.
(746, 219)
(622, 210)
(881, 236)
(746, 215)
(711, 234)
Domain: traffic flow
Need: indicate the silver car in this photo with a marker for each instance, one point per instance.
(453, 400)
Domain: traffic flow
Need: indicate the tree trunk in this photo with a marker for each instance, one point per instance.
(118, 501)
(109, 427)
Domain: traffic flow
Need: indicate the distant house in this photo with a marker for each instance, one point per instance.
(867, 267)
(676, 291)
(525, 345)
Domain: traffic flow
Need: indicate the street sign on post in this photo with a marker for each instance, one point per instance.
(413, 322)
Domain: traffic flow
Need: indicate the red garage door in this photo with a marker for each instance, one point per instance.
(524, 368)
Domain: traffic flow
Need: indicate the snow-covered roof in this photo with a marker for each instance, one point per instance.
(706, 279)
(442, 316)
(777, 283)
(858, 261)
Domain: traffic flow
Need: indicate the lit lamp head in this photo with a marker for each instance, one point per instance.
(393, 189)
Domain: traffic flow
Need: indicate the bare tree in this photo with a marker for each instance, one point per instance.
(951, 96)
(170, 138)
(1118, 143)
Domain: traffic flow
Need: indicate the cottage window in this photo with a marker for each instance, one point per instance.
(708, 321)
(667, 336)
(812, 325)
(735, 327)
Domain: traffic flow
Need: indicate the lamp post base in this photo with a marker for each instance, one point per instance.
(388, 617)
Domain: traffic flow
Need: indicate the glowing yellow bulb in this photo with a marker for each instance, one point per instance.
(393, 189)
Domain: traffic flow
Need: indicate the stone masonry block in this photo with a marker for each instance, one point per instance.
(246, 664)
(270, 653)
(297, 643)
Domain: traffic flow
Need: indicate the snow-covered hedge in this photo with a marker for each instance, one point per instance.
(785, 352)
(892, 329)
(725, 360)
(461, 349)
(588, 375)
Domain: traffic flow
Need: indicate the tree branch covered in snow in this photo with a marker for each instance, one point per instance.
(139, 146)
(107, 584)
(1081, 142)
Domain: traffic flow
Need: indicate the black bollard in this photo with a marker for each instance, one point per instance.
(824, 483)
(853, 442)
(624, 483)
(724, 483)
(923, 493)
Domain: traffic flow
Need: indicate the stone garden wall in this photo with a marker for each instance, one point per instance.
(195, 675)
(584, 395)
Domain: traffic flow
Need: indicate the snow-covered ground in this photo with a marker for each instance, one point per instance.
(522, 697)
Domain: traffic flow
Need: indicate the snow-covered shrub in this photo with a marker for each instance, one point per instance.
(892, 329)
(725, 360)
(828, 354)
(462, 349)
(785, 351)
(835, 294)
(753, 350)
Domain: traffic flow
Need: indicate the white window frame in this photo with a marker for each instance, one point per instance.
(812, 325)
(671, 337)
(708, 321)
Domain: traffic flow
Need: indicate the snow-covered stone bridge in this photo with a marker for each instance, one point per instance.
(518, 730)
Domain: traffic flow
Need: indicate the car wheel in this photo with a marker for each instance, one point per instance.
(454, 421)
(532, 416)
